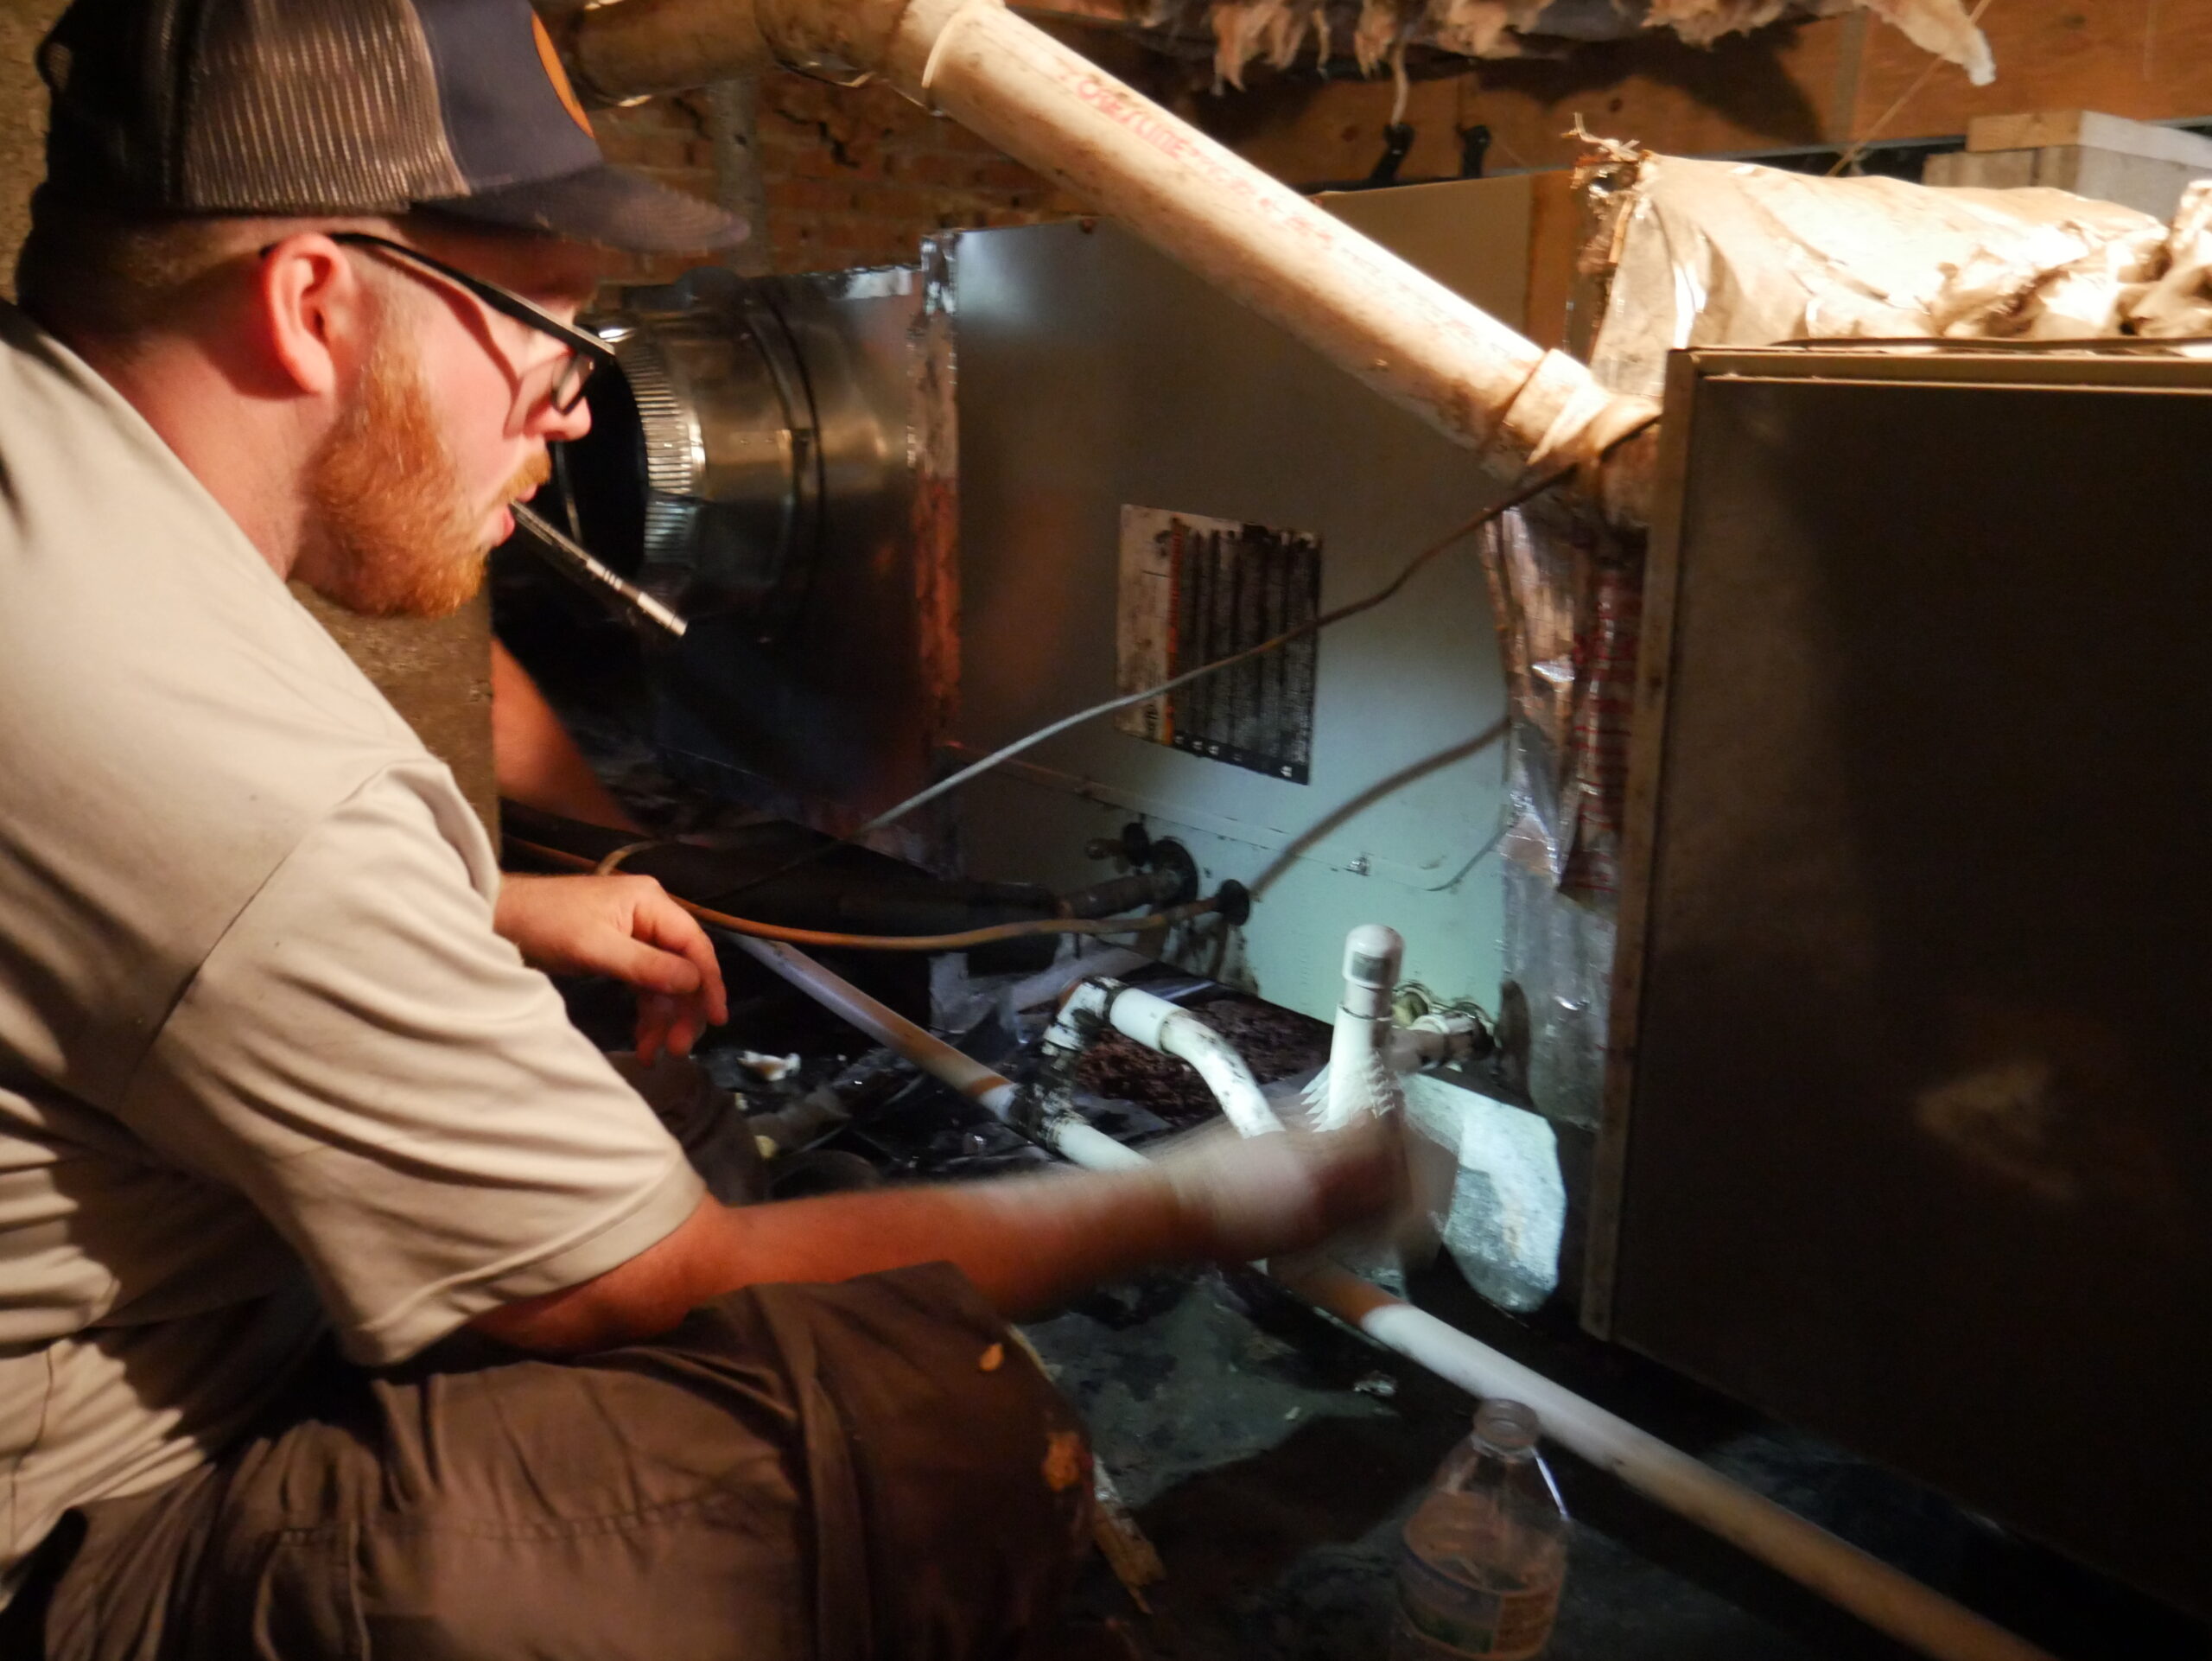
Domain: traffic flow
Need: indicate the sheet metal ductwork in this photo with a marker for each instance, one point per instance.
(707, 473)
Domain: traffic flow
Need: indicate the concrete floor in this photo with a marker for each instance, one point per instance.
(1272, 1457)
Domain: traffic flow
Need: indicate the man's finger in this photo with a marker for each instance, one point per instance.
(668, 926)
(690, 1020)
(656, 1010)
(650, 969)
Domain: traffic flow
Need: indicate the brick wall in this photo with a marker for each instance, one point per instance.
(852, 177)
(666, 137)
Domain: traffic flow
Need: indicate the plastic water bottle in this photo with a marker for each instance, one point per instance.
(1486, 1555)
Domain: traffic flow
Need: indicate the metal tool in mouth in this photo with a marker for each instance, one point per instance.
(570, 555)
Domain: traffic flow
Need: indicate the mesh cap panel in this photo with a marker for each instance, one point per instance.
(317, 104)
(334, 107)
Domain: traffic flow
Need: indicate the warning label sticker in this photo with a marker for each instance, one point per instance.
(1195, 590)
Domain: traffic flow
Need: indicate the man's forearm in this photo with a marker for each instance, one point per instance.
(1028, 1243)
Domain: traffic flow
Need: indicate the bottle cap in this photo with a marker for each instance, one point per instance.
(1509, 1427)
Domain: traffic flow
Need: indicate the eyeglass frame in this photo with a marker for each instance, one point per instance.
(585, 348)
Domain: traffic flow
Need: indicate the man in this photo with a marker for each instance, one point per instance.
(273, 1067)
(535, 761)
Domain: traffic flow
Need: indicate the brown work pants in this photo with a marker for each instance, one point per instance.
(795, 1474)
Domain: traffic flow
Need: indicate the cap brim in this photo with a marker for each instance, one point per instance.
(605, 207)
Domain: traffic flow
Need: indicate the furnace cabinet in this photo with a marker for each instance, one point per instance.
(1909, 1129)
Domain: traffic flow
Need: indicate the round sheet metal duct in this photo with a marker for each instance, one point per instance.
(709, 468)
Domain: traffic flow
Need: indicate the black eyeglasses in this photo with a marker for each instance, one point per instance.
(586, 352)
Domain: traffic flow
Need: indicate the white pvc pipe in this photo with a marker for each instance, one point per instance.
(1884, 1599)
(1171, 1029)
(886, 1025)
(1361, 1080)
(1521, 409)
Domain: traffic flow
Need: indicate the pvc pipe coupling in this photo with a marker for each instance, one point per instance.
(1362, 1079)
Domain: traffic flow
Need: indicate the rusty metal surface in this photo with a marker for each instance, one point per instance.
(936, 529)
(1914, 1150)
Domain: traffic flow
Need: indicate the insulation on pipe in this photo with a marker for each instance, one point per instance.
(1519, 408)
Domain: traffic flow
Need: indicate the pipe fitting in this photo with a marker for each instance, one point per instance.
(1437, 1040)
(840, 41)
(1362, 1080)
(1096, 1004)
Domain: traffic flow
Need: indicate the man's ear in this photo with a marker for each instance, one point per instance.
(314, 311)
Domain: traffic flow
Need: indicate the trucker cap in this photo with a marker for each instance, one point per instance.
(342, 107)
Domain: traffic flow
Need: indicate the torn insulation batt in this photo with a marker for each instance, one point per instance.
(1380, 32)
(1684, 253)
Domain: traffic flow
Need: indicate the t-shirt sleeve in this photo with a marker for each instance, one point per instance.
(398, 1094)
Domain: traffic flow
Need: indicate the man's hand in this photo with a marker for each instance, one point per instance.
(1261, 1196)
(626, 927)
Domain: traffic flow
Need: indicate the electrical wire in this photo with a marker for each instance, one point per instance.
(1520, 497)
(1851, 156)
(965, 941)
(1313, 626)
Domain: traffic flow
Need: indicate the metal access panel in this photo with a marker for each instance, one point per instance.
(1908, 1137)
(1141, 456)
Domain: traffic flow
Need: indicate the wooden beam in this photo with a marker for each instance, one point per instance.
(2147, 60)
(2087, 130)
(1555, 241)
(1108, 13)
(1824, 82)
(1777, 89)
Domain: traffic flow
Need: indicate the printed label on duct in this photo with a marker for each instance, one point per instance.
(1195, 590)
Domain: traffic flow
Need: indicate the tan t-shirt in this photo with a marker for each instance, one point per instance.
(263, 1064)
